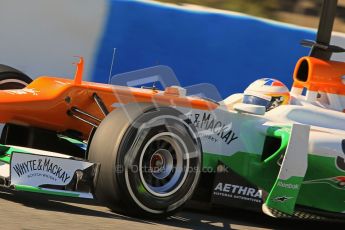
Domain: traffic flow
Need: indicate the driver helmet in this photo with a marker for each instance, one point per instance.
(267, 92)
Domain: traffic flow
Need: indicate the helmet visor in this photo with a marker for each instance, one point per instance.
(250, 99)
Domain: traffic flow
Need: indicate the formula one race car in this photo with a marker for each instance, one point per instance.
(148, 151)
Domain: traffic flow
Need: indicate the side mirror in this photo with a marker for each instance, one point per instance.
(249, 108)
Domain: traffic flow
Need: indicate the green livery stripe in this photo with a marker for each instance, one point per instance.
(284, 135)
(251, 166)
(43, 191)
(5, 155)
(248, 165)
(325, 181)
(74, 141)
(5, 159)
(78, 143)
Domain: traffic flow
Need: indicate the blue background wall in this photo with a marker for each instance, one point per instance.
(227, 50)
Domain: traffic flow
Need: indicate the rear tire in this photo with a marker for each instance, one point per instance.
(11, 78)
(150, 160)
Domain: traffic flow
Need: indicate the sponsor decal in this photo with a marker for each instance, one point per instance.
(282, 199)
(40, 167)
(212, 126)
(238, 192)
(336, 182)
(38, 170)
(288, 185)
(231, 189)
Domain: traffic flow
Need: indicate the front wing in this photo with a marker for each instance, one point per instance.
(33, 170)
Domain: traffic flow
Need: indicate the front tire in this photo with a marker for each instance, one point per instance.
(150, 160)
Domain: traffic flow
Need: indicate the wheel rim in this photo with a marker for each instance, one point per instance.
(164, 164)
(161, 163)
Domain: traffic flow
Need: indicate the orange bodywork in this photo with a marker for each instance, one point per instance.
(46, 101)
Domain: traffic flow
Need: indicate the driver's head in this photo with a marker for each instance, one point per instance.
(267, 92)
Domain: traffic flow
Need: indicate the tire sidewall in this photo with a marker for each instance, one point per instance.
(128, 158)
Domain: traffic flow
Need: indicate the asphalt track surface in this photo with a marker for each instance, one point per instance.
(21, 210)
